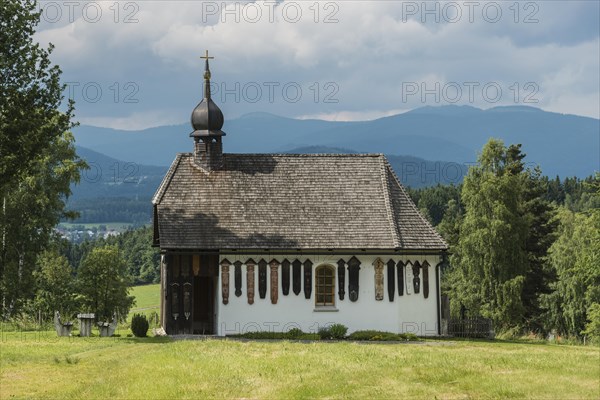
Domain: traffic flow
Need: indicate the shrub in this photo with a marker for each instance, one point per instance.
(153, 319)
(408, 336)
(381, 336)
(325, 332)
(264, 335)
(386, 337)
(309, 336)
(365, 335)
(338, 331)
(294, 333)
(139, 325)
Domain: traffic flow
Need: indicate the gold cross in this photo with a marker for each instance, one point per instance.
(206, 57)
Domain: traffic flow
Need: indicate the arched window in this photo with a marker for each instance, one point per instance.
(325, 286)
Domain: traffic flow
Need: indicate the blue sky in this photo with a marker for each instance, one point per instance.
(135, 64)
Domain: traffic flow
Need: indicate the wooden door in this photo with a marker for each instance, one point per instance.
(204, 305)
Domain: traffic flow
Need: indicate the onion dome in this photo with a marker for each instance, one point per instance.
(207, 118)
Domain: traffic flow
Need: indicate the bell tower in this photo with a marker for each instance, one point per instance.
(207, 121)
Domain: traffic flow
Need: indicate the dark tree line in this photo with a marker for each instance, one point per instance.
(112, 209)
(134, 246)
(573, 193)
(100, 284)
(525, 247)
(92, 276)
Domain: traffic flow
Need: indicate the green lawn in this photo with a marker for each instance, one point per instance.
(43, 366)
(147, 299)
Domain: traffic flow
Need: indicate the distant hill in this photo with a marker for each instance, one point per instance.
(110, 177)
(566, 145)
(114, 190)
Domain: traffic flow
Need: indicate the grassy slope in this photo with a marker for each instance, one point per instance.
(159, 368)
(146, 297)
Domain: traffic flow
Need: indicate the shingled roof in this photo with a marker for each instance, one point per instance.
(289, 202)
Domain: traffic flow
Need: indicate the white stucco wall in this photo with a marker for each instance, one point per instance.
(407, 313)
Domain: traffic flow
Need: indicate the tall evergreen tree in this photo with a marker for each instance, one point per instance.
(541, 217)
(449, 227)
(433, 201)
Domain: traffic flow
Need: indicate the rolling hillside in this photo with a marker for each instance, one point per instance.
(126, 167)
(565, 145)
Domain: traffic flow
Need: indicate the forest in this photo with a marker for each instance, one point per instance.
(525, 248)
(112, 209)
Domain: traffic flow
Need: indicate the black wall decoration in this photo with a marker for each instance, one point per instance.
(391, 279)
(237, 278)
(425, 268)
(297, 275)
(262, 279)
(175, 300)
(307, 279)
(341, 278)
(353, 268)
(285, 277)
(400, 267)
(187, 300)
(416, 279)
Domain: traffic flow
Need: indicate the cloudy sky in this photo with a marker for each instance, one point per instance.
(135, 64)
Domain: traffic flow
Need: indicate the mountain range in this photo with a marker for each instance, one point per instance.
(561, 144)
(110, 177)
(114, 190)
(126, 167)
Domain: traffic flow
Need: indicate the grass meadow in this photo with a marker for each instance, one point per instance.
(41, 365)
(147, 299)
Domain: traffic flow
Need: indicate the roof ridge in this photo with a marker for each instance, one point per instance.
(414, 206)
(388, 201)
(167, 178)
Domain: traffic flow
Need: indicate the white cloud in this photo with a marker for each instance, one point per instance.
(367, 115)
(133, 122)
(373, 49)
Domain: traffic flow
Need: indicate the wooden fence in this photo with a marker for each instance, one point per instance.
(468, 328)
